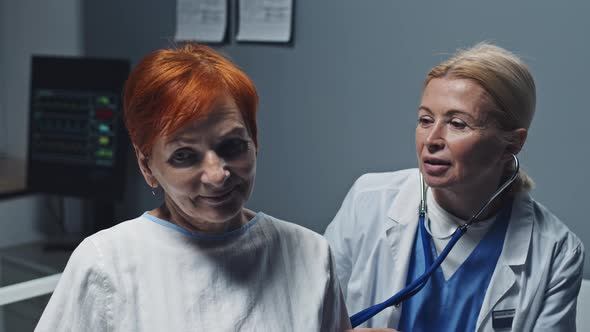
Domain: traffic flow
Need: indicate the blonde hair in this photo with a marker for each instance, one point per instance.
(508, 81)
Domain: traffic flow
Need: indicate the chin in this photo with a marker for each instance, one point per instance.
(435, 182)
(218, 215)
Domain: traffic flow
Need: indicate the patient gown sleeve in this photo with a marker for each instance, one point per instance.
(83, 296)
(335, 315)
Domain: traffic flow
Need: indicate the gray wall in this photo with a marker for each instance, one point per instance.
(342, 100)
(28, 27)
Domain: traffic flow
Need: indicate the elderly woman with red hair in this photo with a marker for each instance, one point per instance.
(201, 261)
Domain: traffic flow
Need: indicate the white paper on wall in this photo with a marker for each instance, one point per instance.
(265, 20)
(201, 20)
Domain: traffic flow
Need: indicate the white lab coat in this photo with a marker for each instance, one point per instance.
(538, 273)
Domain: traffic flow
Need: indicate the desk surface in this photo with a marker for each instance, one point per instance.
(25, 263)
(36, 257)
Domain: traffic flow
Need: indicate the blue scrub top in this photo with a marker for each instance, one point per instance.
(454, 304)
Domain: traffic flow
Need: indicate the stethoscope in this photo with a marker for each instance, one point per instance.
(416, 285)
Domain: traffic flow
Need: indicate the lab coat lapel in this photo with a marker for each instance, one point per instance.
(514, 253)
(401, 231)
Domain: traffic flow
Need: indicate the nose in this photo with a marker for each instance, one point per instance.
(214, 172)
(435, 139)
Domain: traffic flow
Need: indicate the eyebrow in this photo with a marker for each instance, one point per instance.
(424, 108)
(181, 140)
(450, 112)
(237, 130)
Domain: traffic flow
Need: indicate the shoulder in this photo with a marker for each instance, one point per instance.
(381, 189)
(549, 236)
(295, 237)
(112, 243)
(374, 194)
(126, 231)
(87, 270)
(94, 251)
(84, 286)
(374, 200)
(387, 181)
(86, 257)
(290, 230)
(550, 228)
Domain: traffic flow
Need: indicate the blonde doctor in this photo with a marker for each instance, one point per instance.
(519, 268)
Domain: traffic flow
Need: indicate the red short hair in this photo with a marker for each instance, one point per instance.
(171, 87)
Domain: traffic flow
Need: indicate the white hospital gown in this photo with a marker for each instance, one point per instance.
(146, 274)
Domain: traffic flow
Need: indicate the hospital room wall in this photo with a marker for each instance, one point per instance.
(28, 27)
(341, 100)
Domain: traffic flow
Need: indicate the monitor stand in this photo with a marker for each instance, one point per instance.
(95, 215)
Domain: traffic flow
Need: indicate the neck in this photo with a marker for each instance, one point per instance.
(465, 203)
(178, 218)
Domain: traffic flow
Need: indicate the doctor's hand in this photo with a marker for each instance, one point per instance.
(371, 330)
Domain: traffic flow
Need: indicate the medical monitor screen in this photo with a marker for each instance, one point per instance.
(77, 142)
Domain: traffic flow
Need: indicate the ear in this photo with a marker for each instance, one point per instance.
(143, 162)
(518, 137)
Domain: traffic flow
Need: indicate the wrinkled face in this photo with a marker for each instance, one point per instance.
(458, 148)
(207, 168)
